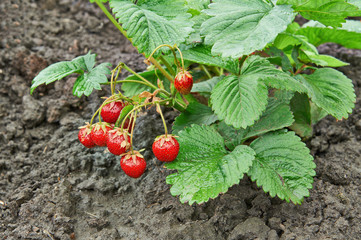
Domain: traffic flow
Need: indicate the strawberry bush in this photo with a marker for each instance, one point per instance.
(247, 80)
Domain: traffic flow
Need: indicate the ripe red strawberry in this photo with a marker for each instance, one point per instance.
(133, 164)
(165, 148)
(99, 133)
(183, 82)
(111, 111)
(118, 142)
(84, 136)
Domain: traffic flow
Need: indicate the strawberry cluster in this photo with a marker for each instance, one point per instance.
(118, 140)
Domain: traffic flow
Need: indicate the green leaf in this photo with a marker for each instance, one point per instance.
(257, 67)
(125, 112)
(131, 89)
(232, 137)
(195, 113)
(240, 100)
(348, 36)
(279, 57)
(89, 77)
(284, 40)
(308, 53)
(331, 90)
(276, 116)
(205, 169)
(207, 86)
(202, 54)
(293, 28)
(321, 60)
(301, 108)
(195, 37)
(283, 166)
(317, 113)
(56, 71)
(87, 82)
(240, 27)
(196, 5)
(151, 23)
(357, 3)
(283, 96)
(86, 62)
(329, 12)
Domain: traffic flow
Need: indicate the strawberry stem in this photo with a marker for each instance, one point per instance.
(112, 83)
(171, 48)
(132, 132)
(181, 55)
(129, 81)
(130, 122)
(206, 71)
(166, 63)
(112, 19)
(161, 115)
(162, 70)
(112, 80)
(91, 121)
(136, 74)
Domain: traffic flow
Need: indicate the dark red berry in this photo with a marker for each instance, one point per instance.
(111, 111)
(84, 136)
(183, 82)
(165, 148)
(99, 133)
(133, 164)
(118, 141)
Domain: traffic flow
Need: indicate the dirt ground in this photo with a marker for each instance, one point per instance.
(53, 188)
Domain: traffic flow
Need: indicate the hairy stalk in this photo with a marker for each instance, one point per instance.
(206, 71)
(116, 78)
(131, 123)
(166, 63)
(112, 19)
(221, 72)
(112, 83)
(181, 55)
(161, 69)
(164, 124)
(132, 132)
(136, 74)
(171, 48)
(217, 71)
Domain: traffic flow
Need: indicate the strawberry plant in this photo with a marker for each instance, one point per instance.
(247, 80)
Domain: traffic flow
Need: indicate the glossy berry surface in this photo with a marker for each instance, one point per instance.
(111, 111)
(85, 137)
(99, 134)
(133, 165)
(118, 142)
(165, 149)
(183, 82)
